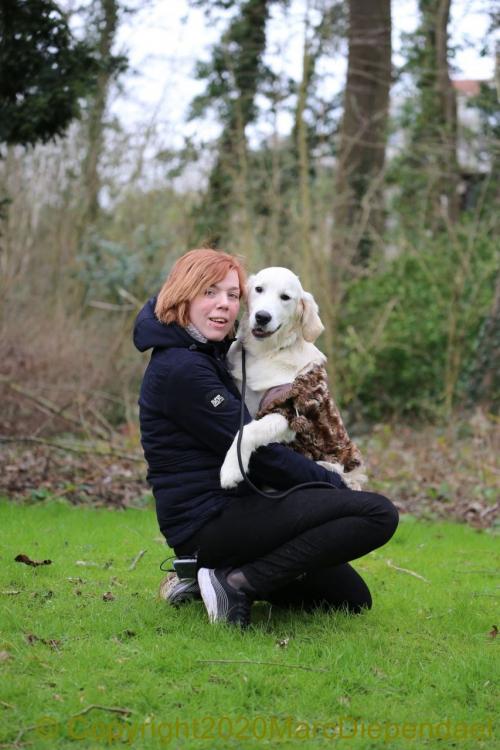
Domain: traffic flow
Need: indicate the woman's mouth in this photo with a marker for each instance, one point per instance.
(219, 322)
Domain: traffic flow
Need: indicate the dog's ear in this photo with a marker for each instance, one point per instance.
(310, 320)
(242, 331)
(248, 286)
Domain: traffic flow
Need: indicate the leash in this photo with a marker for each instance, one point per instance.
(272, 495)
(183, 566)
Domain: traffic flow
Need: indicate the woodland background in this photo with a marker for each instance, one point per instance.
(384, 198)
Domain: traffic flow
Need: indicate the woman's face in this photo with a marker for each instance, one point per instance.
(214, 311)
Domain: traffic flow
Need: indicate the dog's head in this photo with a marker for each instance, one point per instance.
(279, 309)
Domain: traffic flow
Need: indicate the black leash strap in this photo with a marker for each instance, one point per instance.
(272, 495)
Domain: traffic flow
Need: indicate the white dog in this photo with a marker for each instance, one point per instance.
(278, 332)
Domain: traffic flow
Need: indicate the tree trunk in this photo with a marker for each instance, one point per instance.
(435, 134)
(303, 162)
(107, 26)
(358, 210)
(484, 384)
(245, 44)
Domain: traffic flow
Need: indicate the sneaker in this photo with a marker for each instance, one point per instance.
(222, 601)
(178, 591)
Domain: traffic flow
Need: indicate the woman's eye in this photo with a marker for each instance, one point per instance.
(284, 297)
(258, 289)
(209, 293)
(234, 296)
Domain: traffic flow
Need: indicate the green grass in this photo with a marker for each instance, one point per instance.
(422, 655)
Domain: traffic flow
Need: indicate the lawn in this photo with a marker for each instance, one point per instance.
(91, 658)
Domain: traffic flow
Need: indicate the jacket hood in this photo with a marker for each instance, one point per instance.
(150, 333)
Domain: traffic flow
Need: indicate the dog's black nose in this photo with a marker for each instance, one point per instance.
(262, 317)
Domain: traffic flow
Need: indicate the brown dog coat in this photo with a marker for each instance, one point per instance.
(313, 415)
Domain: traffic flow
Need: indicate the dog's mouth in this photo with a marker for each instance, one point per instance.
(260, 333)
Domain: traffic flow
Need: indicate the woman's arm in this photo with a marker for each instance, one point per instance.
(200, 403)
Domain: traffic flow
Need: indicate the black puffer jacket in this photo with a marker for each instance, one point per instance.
(189, 415)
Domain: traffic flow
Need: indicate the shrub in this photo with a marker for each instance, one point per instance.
(409, 331)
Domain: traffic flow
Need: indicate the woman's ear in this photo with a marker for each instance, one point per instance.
(311, 323)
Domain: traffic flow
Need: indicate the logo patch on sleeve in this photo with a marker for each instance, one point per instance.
(217, 399)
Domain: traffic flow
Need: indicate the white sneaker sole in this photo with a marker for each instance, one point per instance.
(213, 595)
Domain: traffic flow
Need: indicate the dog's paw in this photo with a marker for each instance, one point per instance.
(356, 479)
(352, 483)
(230, 474)
(329, 466)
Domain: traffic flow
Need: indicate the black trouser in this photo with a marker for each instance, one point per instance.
(311, 533)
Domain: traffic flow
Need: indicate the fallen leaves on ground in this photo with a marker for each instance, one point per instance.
(31, 638)
(39, 471)
(283, 642)
(449, 471)
(27, 561)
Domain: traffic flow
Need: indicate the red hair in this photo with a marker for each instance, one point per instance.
(190, 275)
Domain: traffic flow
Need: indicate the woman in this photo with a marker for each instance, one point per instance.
(293, 551)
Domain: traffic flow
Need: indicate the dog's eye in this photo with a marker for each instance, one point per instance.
(285, 297)
(258, 289)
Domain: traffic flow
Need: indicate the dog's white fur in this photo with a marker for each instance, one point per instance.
(277, 357)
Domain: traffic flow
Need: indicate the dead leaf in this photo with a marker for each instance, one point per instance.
(44, 595)
(27, 561)
(124, 635)
(87, 563)
(10, 593)
(108, 597)
(283, 642)
(5, 656)
(493, 632)
(52, 642)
